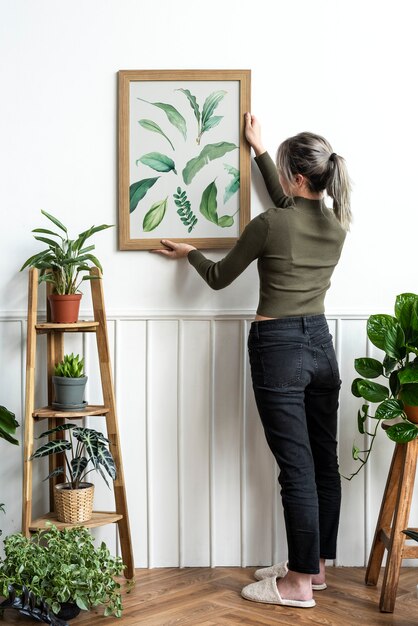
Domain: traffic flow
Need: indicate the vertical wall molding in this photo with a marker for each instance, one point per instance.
(200, 362)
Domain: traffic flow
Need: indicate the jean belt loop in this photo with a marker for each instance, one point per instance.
(304, 325)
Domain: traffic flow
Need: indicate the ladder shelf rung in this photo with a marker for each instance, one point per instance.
(91, 409)
(77, 327)
(99, 518)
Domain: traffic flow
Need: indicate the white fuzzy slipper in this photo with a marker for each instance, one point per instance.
(280, 570)
(266, 591)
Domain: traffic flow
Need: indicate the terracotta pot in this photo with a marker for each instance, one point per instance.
(411, 413)
(64, 309)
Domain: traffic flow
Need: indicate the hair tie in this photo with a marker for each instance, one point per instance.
(332, 156)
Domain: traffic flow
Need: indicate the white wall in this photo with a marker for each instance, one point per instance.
(341, 68)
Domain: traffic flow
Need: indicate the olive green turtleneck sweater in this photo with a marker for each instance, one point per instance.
(297, 244)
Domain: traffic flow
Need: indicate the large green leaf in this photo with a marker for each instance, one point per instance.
(373, 392)
(389, 409)
(409, 394)
(405, 311)
(193, 102)
(377, 328)
(394, 344)
(210, 105)
(354, 387)
(369, 368)
(106, 460)
(138, 190)
(154, 128)
(174, 117)
(155, 215)
(78, 466)
(408, 375)
(403, 432)
(88, 437)
(57, 429)
(209, 153)
(54, 220)
(208, 204)
(52, 447)
(158, 161)
(8, 425)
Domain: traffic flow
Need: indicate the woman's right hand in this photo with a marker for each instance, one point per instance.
(253, 133)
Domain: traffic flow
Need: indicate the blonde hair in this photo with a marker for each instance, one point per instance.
(312, 156)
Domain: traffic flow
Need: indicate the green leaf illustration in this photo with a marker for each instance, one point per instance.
(193, 103)
(184, 209)
(153, 127)
(208, 205)
(210, 105)
(234, 184)
(138, 190)
(212, 122)
(158, 161)
(209, 153)
(174, 117)
(155, 215)
(226, 221)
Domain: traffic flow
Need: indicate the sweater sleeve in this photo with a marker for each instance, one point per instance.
(249, 246)
(268, 170)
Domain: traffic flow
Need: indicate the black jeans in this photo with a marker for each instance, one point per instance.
(296, 384)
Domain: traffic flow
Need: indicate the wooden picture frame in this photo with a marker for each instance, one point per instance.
(184, 163)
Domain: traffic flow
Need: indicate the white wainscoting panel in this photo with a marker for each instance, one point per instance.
(201, 482)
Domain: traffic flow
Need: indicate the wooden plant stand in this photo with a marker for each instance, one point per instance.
(393, 519)
(55, 353)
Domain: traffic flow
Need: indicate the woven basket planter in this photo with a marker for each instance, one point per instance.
(74, 505)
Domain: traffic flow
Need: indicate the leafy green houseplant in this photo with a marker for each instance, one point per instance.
(397, 398)
(65, 263)
(8, 425)
(62, 566)
(69, 383)
(86, 451)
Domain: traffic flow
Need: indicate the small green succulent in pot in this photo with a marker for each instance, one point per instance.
(397, 397)
(72, 366)
(69, 384)
(64, 259)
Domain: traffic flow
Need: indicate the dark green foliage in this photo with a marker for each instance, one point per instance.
(184, 209)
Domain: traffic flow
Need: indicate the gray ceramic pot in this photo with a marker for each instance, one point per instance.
(69, 392)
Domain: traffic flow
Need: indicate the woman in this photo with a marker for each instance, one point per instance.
(293, 365)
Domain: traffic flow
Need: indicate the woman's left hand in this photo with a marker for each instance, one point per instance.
(174, 250)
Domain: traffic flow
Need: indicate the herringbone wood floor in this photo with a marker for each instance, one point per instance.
(211, 597)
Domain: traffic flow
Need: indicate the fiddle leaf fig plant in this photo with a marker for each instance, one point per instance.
(397, 337)
(64, 259)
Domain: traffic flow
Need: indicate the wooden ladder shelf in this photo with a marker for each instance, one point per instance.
(55, 353)
(393, 519)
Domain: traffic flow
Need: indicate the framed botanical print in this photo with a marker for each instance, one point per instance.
(184, 163)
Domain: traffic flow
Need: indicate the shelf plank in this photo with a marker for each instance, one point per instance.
(49, 327)
(91, 409)
(99, 518)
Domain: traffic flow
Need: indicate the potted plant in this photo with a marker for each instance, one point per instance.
(89, 451)
(63, 566)
(69, 384)
(8, 425)
(62, 263)
(397, 337)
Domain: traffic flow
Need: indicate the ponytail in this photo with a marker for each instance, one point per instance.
(312, 156)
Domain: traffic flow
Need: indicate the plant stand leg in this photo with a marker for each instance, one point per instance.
(387, 508)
